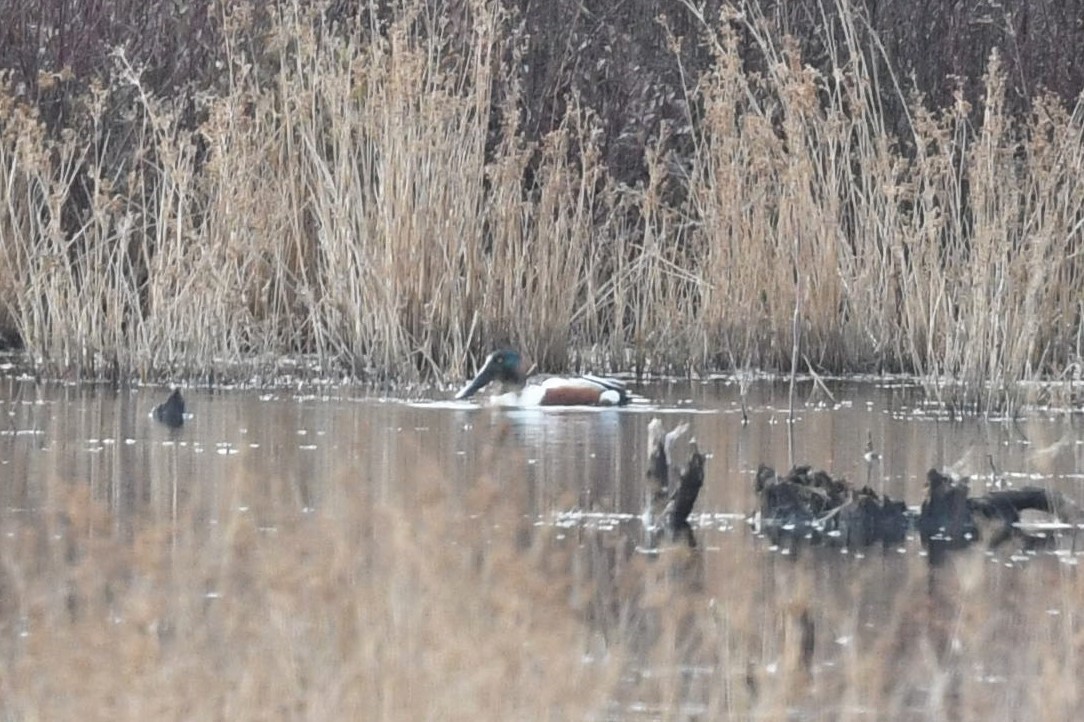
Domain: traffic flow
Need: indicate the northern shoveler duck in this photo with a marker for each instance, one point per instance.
(171, 411)
(507, 367)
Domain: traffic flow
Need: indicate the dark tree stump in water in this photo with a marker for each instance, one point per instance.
(171, 411)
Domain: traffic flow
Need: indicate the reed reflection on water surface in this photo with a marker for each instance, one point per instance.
(425, 599)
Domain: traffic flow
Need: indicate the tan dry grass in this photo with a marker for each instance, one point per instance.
(930, 261)
(364, 193)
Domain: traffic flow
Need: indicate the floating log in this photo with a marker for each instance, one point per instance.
(810, 505)
(868, 518)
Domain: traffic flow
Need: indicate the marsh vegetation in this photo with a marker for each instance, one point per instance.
(385, 191)
(393, 189)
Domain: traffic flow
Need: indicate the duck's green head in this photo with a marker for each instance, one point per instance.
(504, 365)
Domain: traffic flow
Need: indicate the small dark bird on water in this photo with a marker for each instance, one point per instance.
(171, 411)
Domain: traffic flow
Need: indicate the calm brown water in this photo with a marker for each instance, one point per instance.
(295, 441)
(580, 471)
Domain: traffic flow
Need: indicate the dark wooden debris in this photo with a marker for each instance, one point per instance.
(950, 518)
(691, 479)
(672, 490)
(811, 506)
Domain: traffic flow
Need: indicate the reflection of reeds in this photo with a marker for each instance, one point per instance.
(404, 610)
(440, 603)
(365, 193)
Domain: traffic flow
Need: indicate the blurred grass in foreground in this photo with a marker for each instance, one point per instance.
(438, 603)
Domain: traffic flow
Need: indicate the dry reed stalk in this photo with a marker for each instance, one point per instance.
(362, 192)
(908, 261)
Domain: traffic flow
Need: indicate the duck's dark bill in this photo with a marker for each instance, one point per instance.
(484, 376)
